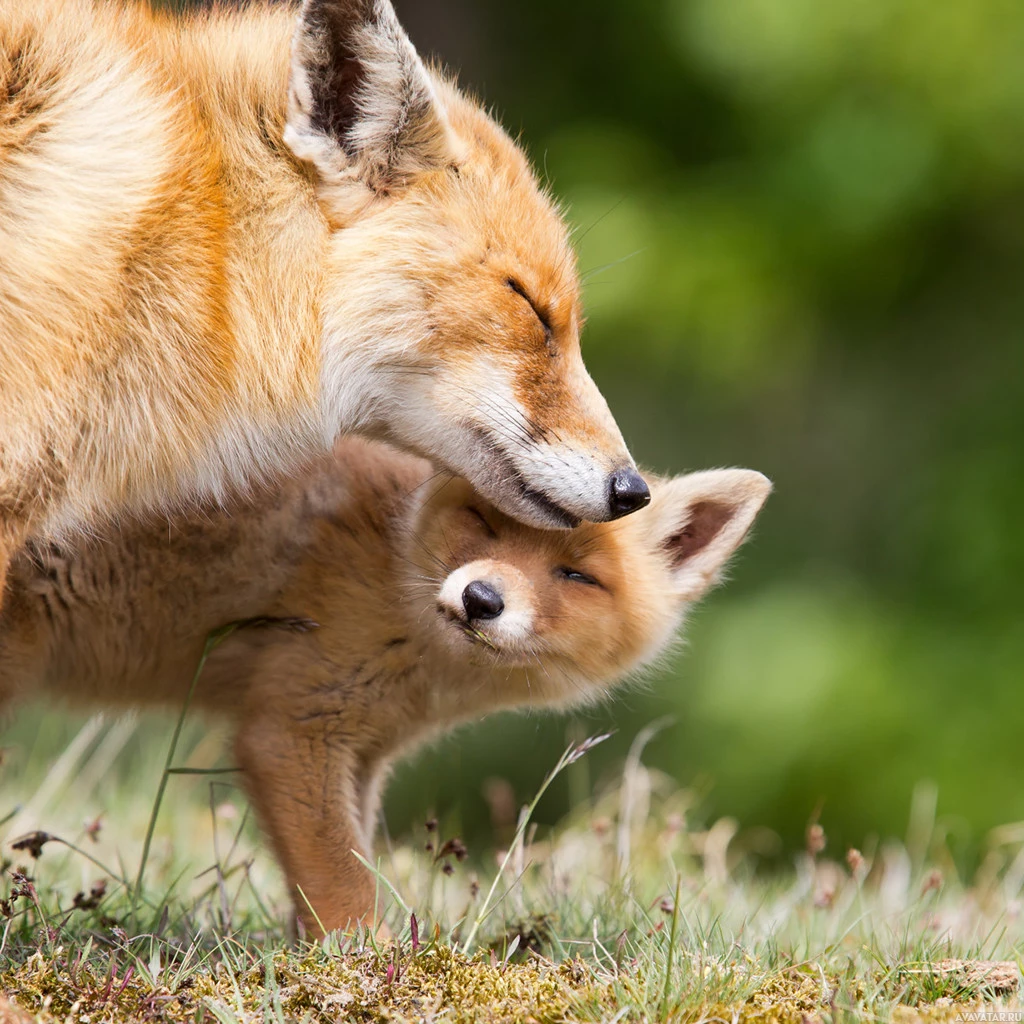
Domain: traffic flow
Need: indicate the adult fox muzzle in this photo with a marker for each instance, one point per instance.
(227, 239)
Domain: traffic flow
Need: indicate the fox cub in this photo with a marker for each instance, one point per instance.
(225, 239)
(432, 607)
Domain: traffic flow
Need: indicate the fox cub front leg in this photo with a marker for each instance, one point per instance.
(303, 781)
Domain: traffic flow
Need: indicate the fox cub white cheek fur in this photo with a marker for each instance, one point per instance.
(433, 608)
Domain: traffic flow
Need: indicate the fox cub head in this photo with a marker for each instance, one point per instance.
(451, 298)
(584, 607)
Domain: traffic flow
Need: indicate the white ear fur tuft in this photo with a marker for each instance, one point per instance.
(361, 103)
(699, 520)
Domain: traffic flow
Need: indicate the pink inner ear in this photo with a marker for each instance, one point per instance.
(706, 521)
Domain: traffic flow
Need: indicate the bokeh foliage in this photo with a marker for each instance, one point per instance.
(803, 229)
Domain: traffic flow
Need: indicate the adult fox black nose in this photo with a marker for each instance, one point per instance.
(627, 492)
(482, 601)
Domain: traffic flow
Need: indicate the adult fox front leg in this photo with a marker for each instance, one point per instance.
(226, 240)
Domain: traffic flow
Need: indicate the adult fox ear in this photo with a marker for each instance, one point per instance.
(697, 522)
(361, 103)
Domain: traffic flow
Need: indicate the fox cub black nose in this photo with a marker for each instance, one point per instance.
(482, 601)
(627, 492)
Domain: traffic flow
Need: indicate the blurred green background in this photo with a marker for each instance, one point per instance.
(802, 226)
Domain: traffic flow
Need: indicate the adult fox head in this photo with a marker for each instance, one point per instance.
(451, 300)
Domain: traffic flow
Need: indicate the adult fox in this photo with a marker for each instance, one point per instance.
(218, 251)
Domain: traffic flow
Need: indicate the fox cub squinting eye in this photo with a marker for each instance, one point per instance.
(433, 607)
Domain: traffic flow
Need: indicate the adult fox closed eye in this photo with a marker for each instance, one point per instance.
(433, 607)
(226, 239)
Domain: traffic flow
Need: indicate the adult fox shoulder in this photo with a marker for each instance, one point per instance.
(432, 607)
(227, 238)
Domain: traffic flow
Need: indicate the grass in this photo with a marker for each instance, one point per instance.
(629, 910)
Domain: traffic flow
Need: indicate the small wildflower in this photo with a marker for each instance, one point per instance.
(674, 824)
(825, 897)
(33, 843)
(92, 828)
(933, 880)
(575, 753)
(855, 862)
(93, 900)
(601, 826)
(447, 868)
(430, 824)
(816, 840)
(474, 887)
(454, 847)
(22, 886)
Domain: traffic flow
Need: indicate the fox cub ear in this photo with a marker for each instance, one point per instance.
(698, 521)
(360, 100)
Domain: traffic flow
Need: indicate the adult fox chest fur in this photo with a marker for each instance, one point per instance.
(226, 239)
(432, 607)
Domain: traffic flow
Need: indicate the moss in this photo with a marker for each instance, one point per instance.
(807, 994)
(795, 994)
(390, 985)
(363, 986)
(56, 989)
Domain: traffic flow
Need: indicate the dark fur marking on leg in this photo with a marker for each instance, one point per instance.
(292, 624)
